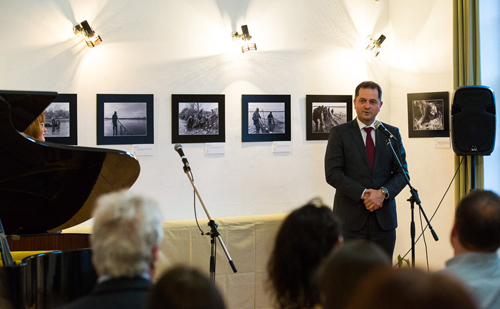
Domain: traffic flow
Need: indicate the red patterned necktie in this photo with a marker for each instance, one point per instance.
(370, 148)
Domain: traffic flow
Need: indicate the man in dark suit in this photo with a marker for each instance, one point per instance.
(125, 241)
(360, 166)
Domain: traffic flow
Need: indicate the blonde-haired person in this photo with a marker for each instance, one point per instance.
(37, 129)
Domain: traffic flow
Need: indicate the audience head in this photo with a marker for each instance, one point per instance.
(36, 129)
(184, 287)
(410, 288)
(304, 239)
(345, 268)
(477, 222)
(126, 235)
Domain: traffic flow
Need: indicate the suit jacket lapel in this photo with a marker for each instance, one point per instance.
(358, 140)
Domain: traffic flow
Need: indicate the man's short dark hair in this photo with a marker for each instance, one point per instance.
(477, 221)
(185, 287)
(368, 85)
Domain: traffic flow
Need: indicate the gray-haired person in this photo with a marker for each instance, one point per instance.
(125, 242)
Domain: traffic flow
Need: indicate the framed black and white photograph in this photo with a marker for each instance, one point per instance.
(324, 112)
(61, 120)
(198, 118)
(428, 114)
(125, 119)
(266, 118)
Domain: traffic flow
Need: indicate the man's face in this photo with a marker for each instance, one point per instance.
(367, 105)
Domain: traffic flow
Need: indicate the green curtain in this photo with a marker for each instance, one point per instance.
(466, 66)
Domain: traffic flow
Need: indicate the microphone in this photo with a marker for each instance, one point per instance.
(178, 148)
(378, 125)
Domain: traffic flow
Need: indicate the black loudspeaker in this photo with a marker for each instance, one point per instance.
(473, 121)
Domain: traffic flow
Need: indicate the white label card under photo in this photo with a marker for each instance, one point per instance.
(282, 146)
(215, 148)
(442, 143)
(143, 149)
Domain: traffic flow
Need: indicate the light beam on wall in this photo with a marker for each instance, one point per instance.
(91, 38)
(245, 36)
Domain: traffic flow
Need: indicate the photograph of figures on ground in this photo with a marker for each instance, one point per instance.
(428, 114)
(266, 118)
(60, 120)
(124, 119)
(323, 112)
(197, 118)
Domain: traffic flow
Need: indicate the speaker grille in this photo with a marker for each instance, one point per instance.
(473, 121)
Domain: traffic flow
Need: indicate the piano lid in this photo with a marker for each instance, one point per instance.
(46, 187)
(25, 106)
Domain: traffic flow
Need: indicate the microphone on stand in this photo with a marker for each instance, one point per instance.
(378, 125)
(178, 148)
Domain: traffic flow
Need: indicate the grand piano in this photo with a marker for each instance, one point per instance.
(46, 188)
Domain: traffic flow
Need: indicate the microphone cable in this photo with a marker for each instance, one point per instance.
(430, 220)
(194, 208)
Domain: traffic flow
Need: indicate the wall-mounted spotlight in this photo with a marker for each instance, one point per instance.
(93, 39)
(374, 46)
(245, 36)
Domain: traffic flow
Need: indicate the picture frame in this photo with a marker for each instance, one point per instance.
(268, 127)
(198, 118)
(323, 112)
(134, 119)
(429, 114)
(61, 120)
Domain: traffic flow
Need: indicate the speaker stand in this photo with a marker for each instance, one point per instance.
(472, 173)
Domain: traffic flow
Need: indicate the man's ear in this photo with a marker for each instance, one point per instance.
(454, 231)
(340, 242)
(154, 260)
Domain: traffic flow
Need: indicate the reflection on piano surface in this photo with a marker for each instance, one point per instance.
(44, 188)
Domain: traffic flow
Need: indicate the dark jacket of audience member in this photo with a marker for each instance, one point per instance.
(475, 238)
(410, 288)
(125, 241)
(304, 239)
(184, 287)
(345, 268)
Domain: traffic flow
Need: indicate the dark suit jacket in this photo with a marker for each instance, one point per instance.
(117, 293)
(347, 169)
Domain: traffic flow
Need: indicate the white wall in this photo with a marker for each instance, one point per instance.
(305, 47)
(490, 76)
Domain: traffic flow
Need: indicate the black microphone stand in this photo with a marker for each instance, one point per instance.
(413, 199)
(214, 233)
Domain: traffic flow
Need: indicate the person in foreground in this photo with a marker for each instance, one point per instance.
(345, 268)
(410, 288)
(37, 129)
(304, 239)
(125, 241)
(184, 287)
(475, 238)
(361, 167)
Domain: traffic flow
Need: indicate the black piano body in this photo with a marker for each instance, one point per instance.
(45, 188)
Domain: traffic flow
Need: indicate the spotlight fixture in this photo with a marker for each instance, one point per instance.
(91, 38)
(374, 46)
(376, 1)
(245, 36)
